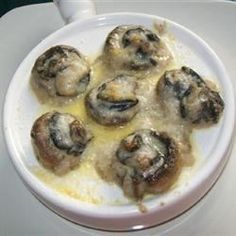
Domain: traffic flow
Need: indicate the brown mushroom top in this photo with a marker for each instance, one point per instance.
(62, 71)
(59, 140)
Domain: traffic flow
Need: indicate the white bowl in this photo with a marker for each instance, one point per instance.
(22, 108)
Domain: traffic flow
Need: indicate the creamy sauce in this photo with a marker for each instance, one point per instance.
(98, 154)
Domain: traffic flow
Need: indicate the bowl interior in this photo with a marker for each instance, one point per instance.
(22, 108)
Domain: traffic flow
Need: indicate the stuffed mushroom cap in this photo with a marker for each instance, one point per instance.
(185, 93)
(59, 140)
(135, 48)
(61, 71)
(114, 102)
(146, 161)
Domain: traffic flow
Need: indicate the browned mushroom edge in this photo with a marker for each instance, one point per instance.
(60, 73)
(135, 48)
(59, 140)
(113, 102)
(146, 162)
(184, 91)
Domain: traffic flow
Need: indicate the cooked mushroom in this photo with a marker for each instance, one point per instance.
(59, 139)
(135, 48)
(146, 162)
(114, 102)
(62, 71)
(185, 92)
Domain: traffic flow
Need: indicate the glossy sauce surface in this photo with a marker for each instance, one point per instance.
(97, 156)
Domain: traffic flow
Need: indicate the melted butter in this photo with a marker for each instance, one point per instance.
(102, 145)
(69, 184)
(97, 156)
(77, 108)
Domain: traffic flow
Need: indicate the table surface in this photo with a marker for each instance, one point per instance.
(23, 28)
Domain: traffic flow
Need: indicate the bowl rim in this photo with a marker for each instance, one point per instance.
(62, 203)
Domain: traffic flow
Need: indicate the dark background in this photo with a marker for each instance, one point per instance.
(7, 5)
